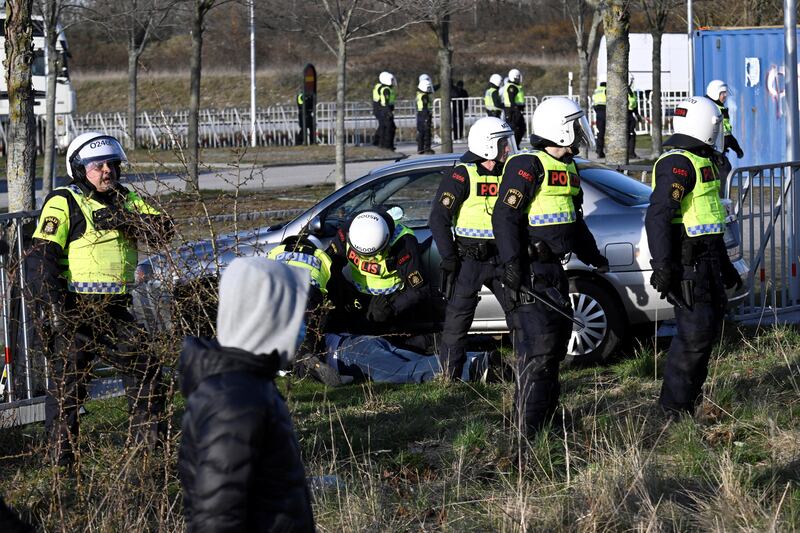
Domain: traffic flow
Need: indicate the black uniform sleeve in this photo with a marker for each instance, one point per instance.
(386, 93)
(522, 177)
(453, 191)
(498, 102)
(675, 178)
(408, 265)
(732, 144)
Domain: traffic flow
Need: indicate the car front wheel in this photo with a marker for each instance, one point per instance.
(603, 319)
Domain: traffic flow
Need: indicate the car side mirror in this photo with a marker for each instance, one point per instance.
(316, 226)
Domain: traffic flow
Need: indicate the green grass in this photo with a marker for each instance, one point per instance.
(445, 456)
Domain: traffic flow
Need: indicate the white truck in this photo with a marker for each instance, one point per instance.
(674, 62)
(65, 94)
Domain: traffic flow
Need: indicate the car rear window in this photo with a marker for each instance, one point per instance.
(619, 187)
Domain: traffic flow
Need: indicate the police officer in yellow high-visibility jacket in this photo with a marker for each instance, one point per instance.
(424, 103)
(685, 222)
(376, 274)
(513, 97)
(540, 198)
(81, 270)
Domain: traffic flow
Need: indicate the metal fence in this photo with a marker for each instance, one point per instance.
(278, 126)
(760, 196)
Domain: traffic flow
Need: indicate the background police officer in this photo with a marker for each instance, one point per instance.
(384, 96)
(717, 90)
(514, 104)
(381, 261)
(81, 267)
(633, 119)
(464, 206)
(537, 220)
(685, 223)
(424, 116)
(599, 103)
(305, 118)
(491, 96)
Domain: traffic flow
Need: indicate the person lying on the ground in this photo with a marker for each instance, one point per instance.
(367, 357)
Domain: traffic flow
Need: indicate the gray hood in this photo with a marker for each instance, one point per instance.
(261, 307)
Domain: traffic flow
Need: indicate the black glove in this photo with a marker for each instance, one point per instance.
(730, 277)
(661, 280)
(512, 276)
(739, 152)
(601, 264)
(111, 218)
(450, 265)
(379, 310)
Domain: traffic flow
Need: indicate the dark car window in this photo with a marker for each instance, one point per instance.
(412, 191)
(619, 187)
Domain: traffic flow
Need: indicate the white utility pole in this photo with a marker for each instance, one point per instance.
(690, 32)
(253, 73)
(792, 139)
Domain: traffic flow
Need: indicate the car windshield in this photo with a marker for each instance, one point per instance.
(619, 187)
(411, 192)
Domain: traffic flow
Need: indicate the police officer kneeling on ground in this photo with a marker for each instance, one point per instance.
(540, 197)
(685, 223)
(81, 269)
(381, 259)
(464, 205)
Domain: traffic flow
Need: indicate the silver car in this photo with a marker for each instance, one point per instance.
(608, 305)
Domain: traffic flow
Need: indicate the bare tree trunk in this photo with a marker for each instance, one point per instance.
(195, 66)
(655, 96)
(20, 166)
(341, 86)
(616, 24)
(49, 170)
(592, 44)
(133, 81)
(445, 74)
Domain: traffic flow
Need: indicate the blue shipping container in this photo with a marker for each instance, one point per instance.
(750, 61)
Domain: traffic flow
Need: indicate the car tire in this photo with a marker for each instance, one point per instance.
(604, 320)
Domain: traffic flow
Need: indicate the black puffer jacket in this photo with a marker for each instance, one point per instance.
(239, 460)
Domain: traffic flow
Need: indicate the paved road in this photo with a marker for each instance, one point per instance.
(245, 177)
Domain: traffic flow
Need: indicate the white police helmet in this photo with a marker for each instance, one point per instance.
(562, 122)
(424, 77)
(715, 88)
(425, 86)
(700, 119)
(369, 233)
(386, 78)
(496, 80)
(514, 75)
(92, 146)
(486, 139)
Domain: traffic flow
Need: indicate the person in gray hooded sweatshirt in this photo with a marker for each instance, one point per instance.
(239, 460)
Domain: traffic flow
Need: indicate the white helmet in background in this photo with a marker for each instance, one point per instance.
(386, 78)
(514, 75)
(700, 119)
(425, 86)
(715, 88)
(487, 140)
(425, 77)
(92, 146)
(496, 80)
(369, 233)
(562, 122)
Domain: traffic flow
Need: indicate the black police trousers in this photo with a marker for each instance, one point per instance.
(516, 119)
(540, 341)
(98, 326)
(472, 275)
(424, 127)
(387, 129)
(699, 328)
(600, 114)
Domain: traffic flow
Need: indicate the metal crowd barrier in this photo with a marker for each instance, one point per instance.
(761, 196)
